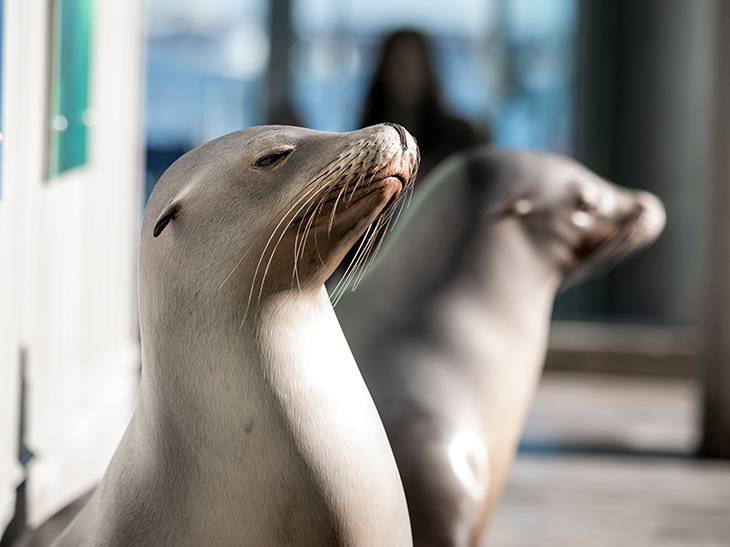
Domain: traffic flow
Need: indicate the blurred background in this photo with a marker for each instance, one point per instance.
(630, 432)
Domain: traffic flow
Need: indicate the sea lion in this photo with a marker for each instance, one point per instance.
(253, 424)
(450, 326)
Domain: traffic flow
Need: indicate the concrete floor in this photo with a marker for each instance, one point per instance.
(615, 413)
(606, 462)
(589, 501)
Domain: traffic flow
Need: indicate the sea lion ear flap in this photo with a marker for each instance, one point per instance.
(172, 210)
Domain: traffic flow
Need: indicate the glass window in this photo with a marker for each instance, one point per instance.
(495, 60)
(504, 65)
(70, 115)
(339, 42)
(206, 74)
(538, 74)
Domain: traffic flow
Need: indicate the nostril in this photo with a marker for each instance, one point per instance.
(401, 132)
(652, 211)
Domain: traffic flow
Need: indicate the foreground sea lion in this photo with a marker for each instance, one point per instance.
(253, 425)
(450, 326)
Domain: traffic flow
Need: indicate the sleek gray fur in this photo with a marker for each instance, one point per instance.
(253, 425)
(450, 326)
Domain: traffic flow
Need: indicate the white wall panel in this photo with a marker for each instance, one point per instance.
(11, 473)
(79, 234)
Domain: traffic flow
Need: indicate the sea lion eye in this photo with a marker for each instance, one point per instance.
(585, 207)
(271, 159)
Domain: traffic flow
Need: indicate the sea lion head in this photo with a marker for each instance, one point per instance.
(573, 217)
(271, 208)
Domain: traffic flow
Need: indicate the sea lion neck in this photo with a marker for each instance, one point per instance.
(295, 373)
(189, 376)
(508, 279)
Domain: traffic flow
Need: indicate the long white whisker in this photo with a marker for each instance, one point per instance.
(344, 280)
(234, 268)
(334, 209)
(302, 242)
(400, 207)
(367, 250)
(273, 252)
(299, 251)
(302, 195)
(371, 253)
(354, 189)
(312, 217)
(343, 283)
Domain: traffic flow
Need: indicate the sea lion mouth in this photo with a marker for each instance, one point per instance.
(396, 195)
(339, 197)
(591, 259)
(399, 176)
(397, 182)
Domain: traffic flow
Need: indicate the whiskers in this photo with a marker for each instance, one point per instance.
(354, 169)
(287, 216)
(370, 244)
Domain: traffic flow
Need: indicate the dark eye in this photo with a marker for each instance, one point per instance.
(271, 159)
(584, 207)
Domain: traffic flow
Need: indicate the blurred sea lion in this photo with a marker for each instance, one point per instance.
(450, 326)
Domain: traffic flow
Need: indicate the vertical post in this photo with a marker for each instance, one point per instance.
(282, 38)
(643, 122)
(597, 84)
(716, 418)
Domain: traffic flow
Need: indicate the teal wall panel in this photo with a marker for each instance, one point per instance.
(69, 84)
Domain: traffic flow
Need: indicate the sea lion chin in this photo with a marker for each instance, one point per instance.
(253, 425)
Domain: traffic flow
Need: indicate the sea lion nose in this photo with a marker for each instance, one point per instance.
(653, 214)
(402, 133)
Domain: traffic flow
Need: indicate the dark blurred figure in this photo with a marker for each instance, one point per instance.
(405, 90)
